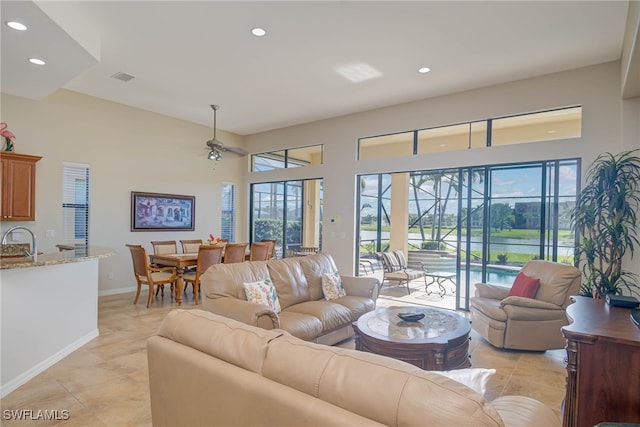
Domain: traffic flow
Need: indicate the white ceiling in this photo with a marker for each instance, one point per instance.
(188, 55)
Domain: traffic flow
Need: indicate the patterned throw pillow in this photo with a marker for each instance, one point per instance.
(263, 293)
(332, 286)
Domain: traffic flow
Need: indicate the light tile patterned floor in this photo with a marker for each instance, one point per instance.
(105, 383)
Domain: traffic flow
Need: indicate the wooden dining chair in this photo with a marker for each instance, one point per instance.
(164, 247)
(190, 246)
(259, 251)
(234, 252)
(207, 256)
(272, 249)
(148, 275)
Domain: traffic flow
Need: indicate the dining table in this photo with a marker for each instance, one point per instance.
(180, 262)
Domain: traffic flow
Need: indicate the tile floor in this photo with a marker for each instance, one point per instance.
(105, 383)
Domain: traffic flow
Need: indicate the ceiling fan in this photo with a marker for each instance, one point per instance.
(216, 147)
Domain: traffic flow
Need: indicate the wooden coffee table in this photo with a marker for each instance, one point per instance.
(438, 342)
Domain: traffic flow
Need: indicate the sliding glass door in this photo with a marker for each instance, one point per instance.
(289, 212)
(491, 219)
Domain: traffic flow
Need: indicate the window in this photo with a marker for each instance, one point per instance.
(544, 126)
(75, 204)
(395, 145)
(228, 217)
(452, 138)
(291, 158)
(531, 127)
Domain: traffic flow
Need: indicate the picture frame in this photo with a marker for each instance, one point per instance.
(162, 212)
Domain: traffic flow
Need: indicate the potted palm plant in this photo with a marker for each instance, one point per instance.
(604, 219)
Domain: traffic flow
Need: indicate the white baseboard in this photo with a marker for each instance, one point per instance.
(13, 384)
(117, 291)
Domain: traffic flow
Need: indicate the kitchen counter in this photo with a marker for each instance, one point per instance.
(48, 309)
(55, 258)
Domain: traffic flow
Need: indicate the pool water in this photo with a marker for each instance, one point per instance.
(495, 275)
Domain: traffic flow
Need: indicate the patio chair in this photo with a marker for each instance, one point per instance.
(395, 269)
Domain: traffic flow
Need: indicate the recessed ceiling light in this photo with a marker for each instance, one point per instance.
(16, 25)
(552, 131)
(424, 70)
(37, 61)
(258, 32)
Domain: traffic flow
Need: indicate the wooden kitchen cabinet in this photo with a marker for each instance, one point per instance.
(18, 174)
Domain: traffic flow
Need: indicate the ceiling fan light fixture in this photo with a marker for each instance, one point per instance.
(215, 155)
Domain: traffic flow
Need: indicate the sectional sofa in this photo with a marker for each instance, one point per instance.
(208, 370)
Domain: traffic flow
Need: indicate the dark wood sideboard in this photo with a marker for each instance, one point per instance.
(603, 364)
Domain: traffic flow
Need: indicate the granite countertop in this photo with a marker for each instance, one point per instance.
(54, 258)
(14, 249)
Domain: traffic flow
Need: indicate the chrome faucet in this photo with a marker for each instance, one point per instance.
(34, 247)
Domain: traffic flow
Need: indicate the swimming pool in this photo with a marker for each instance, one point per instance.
(496, 275)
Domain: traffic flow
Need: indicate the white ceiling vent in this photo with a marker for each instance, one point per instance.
(123, 76)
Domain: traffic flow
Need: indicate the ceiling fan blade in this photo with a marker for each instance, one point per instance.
(235, 150)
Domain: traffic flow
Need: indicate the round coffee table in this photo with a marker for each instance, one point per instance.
(437, 342)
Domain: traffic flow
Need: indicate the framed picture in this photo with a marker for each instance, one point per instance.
(162, 212)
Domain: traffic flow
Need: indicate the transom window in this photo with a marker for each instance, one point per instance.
(540, 126)
(290, 158)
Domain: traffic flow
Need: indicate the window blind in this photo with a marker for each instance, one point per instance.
(228, 215)
(75, 204)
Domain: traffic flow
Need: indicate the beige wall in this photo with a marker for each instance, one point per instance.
(597, 88)
(128, 150)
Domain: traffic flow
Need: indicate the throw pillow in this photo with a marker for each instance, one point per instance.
(474, 378)
(332, 286)
(263, 293)
(524, 286)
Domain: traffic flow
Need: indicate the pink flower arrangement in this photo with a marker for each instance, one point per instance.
(214, 239)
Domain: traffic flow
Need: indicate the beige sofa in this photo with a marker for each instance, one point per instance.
(521, 323)
(208, 370)
(298, 281)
